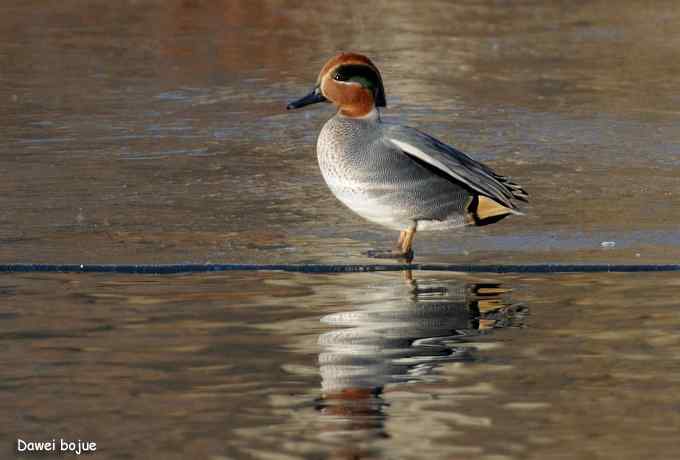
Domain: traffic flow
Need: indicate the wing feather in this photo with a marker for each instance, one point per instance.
(455, 164)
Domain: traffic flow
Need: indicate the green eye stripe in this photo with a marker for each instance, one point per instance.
(362, 74)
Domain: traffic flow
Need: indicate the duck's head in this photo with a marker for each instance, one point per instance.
(350, 81)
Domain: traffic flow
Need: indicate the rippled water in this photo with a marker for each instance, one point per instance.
(142, 131)
(271, 365)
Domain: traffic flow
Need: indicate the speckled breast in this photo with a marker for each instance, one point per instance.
(381, 183)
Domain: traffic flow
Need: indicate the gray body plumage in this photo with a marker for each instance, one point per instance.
(401, 178)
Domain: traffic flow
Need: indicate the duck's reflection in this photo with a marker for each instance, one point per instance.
(401, 333)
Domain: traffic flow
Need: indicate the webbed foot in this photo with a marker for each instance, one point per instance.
(391, 254)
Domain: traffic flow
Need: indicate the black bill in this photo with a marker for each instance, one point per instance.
(312, 98)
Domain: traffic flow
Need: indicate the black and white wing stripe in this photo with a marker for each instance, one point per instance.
(455, 164)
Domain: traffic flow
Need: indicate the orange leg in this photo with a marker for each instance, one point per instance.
(402, 235)
(406, 242)
(402, 249)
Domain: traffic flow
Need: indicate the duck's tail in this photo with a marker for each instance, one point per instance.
(484, 210)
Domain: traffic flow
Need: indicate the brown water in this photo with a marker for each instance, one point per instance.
(143, 131)
(269, 366)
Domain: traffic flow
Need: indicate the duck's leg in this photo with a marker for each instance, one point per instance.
(406, 241)
(402, 235)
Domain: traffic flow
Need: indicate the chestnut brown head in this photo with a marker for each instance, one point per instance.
(350, 81)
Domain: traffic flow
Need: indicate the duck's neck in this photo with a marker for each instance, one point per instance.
(373, 115)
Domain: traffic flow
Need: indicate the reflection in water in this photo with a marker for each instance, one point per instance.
(400, 333)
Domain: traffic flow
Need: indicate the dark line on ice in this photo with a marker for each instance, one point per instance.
(145, 269)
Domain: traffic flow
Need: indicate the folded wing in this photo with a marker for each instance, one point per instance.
(456, 165)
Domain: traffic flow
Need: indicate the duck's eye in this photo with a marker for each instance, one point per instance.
(338, 76)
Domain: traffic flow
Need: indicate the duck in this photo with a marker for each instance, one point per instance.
(397, 176)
